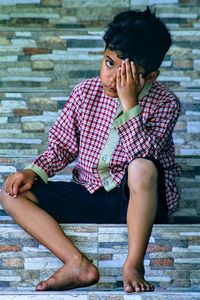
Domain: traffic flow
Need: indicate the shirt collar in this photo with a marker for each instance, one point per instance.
(145, 90)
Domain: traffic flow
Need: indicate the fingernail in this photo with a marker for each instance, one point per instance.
(14, 196)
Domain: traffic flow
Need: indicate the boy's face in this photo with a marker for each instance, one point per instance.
(109, 66)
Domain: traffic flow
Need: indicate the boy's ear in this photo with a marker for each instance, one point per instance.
(151, 77)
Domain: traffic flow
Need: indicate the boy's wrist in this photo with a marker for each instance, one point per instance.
(30, 173)
(128, 105)
(40, 173)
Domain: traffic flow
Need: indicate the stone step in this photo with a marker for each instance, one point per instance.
(59, 59)
(171, 263)
(98, 295)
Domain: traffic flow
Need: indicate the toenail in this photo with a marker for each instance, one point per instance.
(39, 284)
(128, 288)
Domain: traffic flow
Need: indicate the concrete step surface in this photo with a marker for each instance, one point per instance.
(94, 294)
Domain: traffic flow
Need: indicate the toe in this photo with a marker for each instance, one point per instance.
(41, 286)
(148, 287)
(143, 287)
(151, 287)
(137, 288)
(128, 288)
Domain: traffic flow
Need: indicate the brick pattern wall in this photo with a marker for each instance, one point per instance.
(172, 258)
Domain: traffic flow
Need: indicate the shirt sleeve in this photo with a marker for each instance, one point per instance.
(126, 116)
(63, 141)
(140, 138)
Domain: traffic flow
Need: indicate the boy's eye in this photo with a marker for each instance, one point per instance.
(109, 63)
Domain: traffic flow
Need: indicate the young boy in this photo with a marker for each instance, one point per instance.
(119, 128)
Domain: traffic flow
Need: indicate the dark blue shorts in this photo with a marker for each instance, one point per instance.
(69, 202)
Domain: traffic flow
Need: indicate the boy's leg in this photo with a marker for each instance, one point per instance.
(77, 271)
(142, 208)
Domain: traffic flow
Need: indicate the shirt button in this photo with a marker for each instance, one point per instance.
(106, 158)
(106, 182)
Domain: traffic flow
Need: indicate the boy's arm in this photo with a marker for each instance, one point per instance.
(140, 140)
(62, 142)
(138, 137)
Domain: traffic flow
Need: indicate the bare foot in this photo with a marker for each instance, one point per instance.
(70, 276)
(134, 281)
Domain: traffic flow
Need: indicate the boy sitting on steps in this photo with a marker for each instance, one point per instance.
(119, 128)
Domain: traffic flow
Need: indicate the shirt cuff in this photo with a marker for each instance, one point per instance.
(41, 173)
(126, 116)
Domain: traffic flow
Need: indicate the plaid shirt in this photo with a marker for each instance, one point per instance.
(92, 122)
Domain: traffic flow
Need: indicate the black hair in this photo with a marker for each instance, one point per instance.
(140, 36)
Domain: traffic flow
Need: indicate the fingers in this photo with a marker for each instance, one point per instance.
(128, 72)
(137, 77)
(27, 186)
(134, 72)
(129, 84)
(118, 77)
(16, 186)
(8, 185)
(123, 73)
(13, 184)
(19, 182)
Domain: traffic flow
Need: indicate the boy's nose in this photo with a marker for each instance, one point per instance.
(112, 80)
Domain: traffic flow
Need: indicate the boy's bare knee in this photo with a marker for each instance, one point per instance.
(142, 173)
(3, 196)
(5, 200)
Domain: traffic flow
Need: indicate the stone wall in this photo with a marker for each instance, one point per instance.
(80, 13)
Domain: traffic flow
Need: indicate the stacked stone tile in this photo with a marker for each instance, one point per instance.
(48, 46)
(171, 262)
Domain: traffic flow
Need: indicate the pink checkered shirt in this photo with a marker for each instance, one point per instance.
(83, 129)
